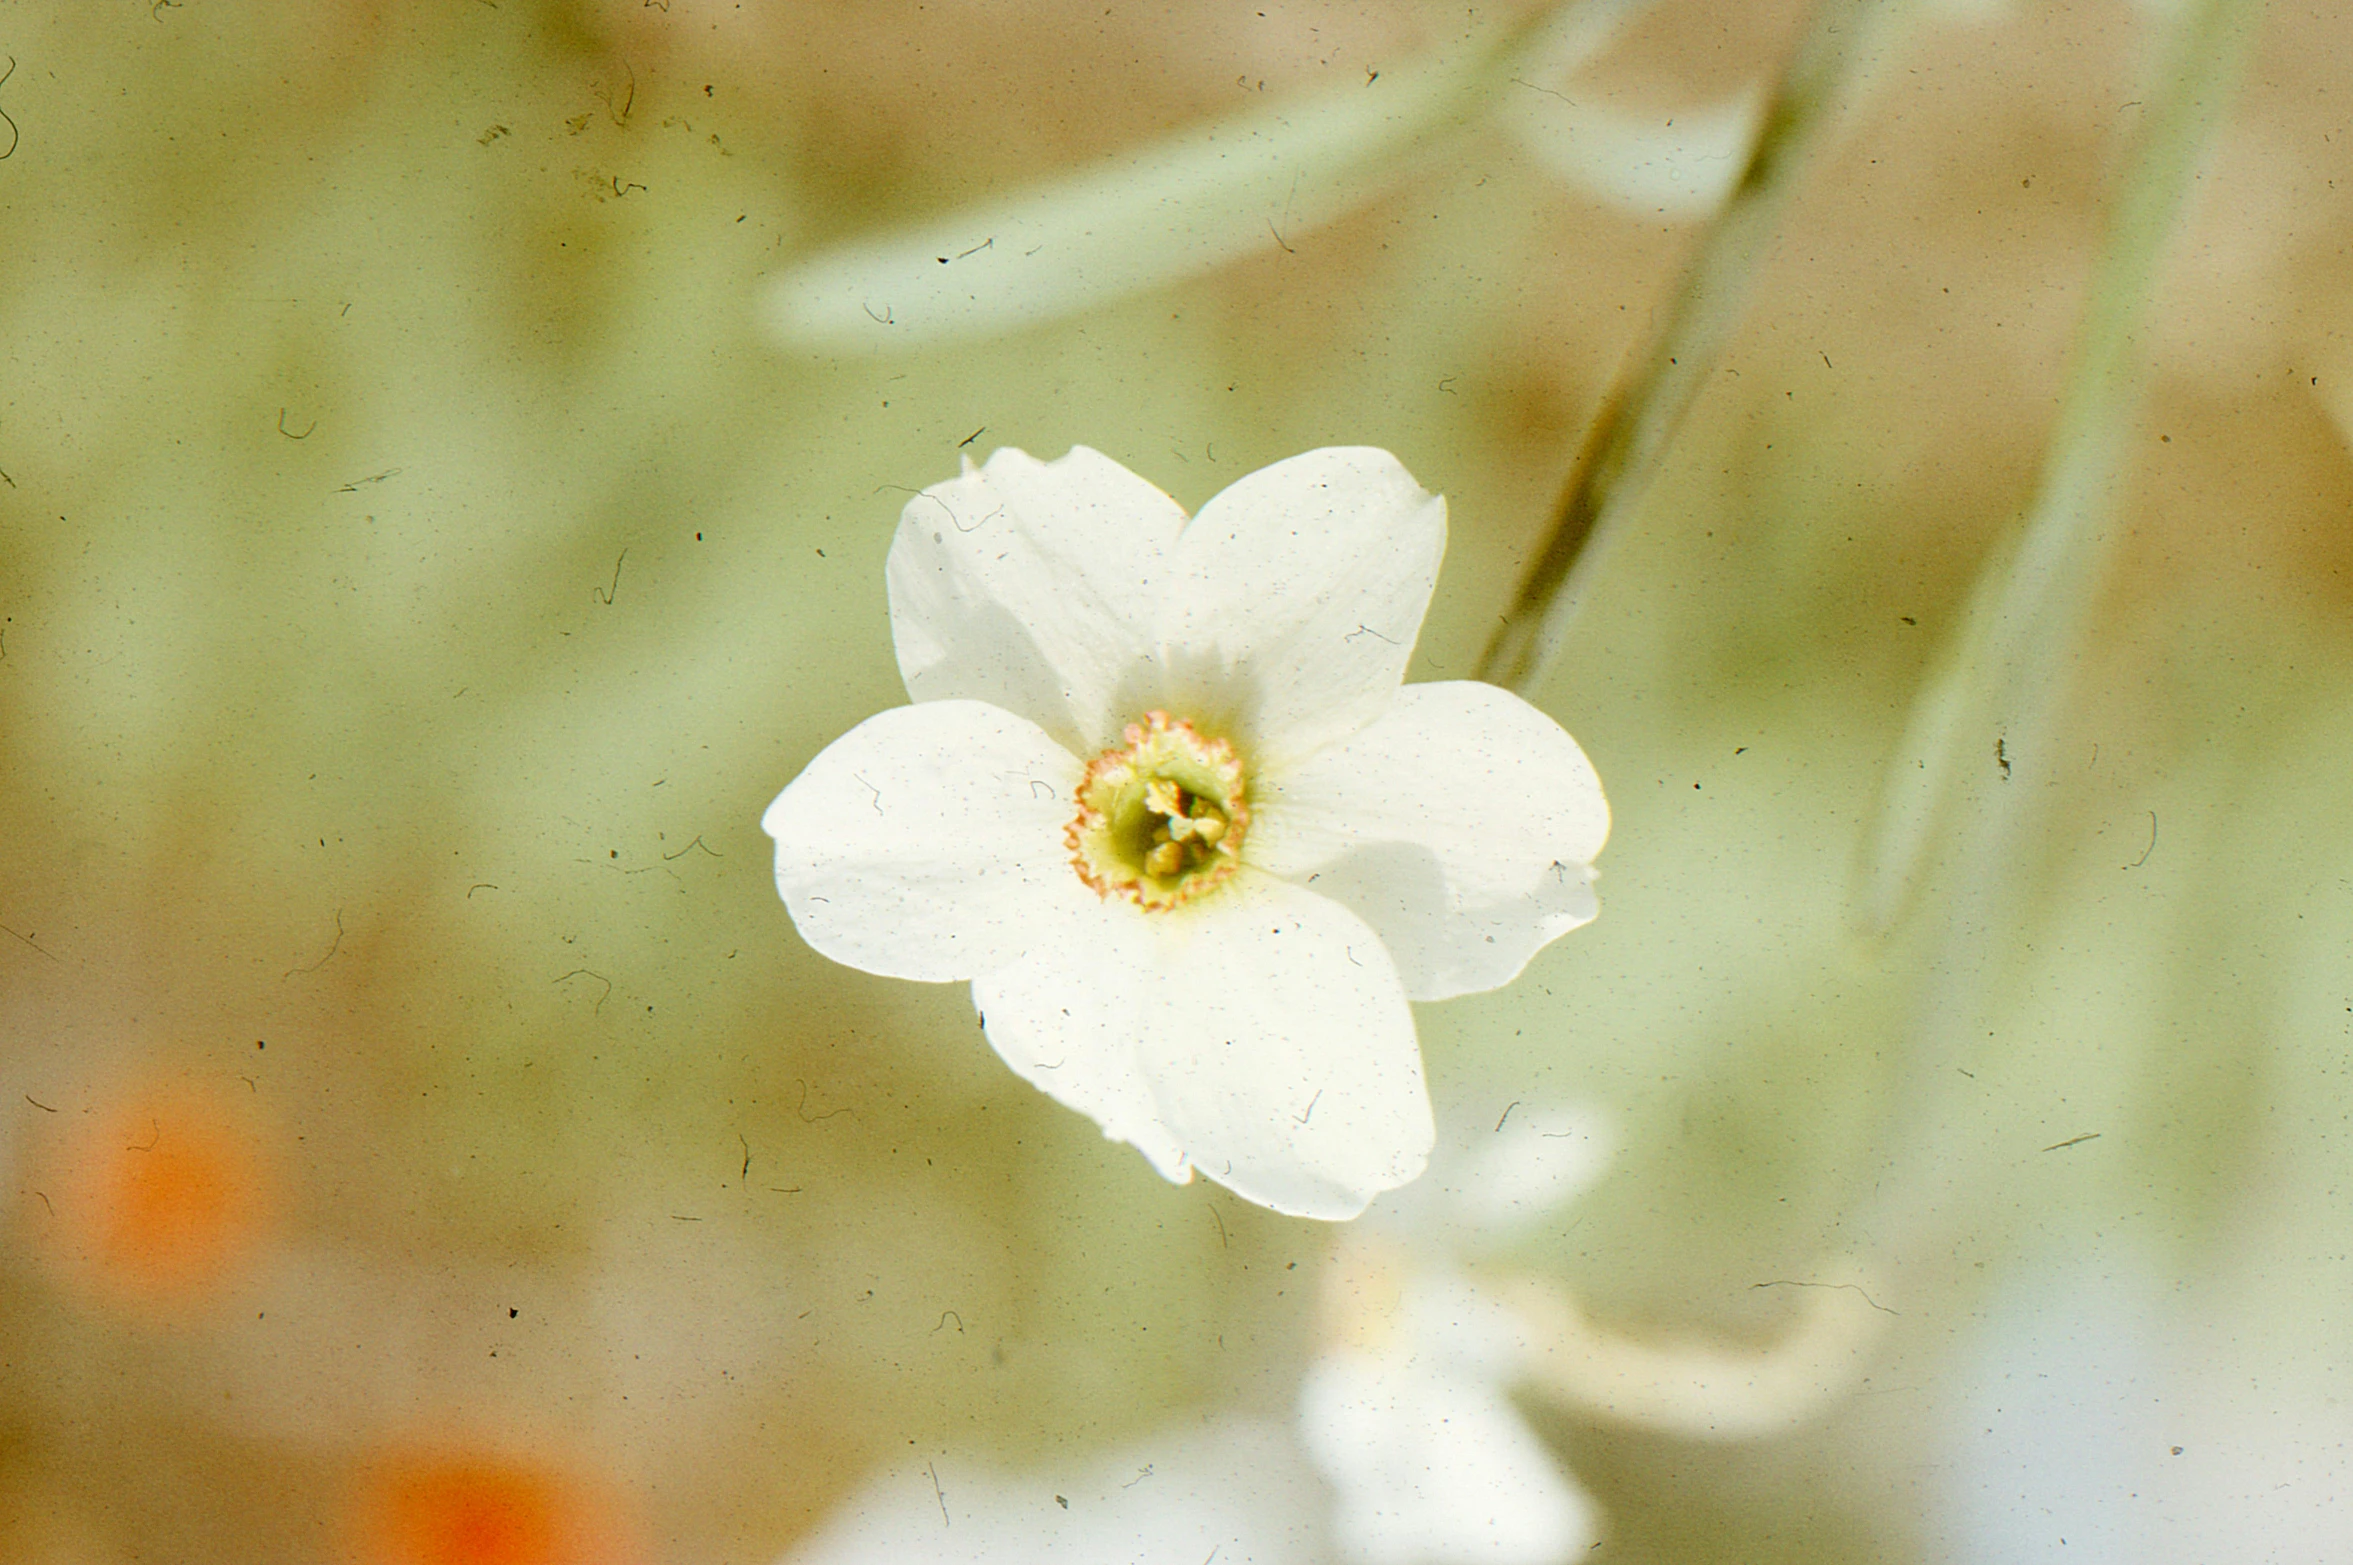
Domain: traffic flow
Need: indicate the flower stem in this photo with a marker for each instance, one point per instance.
(2005, 671)
(1153, 215)
(2008, 678)
(1640, 414)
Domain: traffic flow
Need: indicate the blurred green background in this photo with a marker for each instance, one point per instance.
(418, 570)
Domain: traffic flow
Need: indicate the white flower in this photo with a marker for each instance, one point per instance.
(1429, 1461)
(1407, 1411)
(1163, 799)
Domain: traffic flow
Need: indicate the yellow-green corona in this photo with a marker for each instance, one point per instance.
(1161, 817)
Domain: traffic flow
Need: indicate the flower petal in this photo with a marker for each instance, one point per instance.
(1432, 1466)
(1260, 1037)
(1544, 1160)
(1030, 585)
(1067, 1017)
(1461, 824)
(926, 842)
(1299, 596)
(1281, 1051)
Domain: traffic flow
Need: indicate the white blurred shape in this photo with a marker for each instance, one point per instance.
(1536, 1160)
(1232, 1489)
(1703, 1387)
(2065, 1404)
(2109, 1417)
(1433, 1466)
(1681, 162)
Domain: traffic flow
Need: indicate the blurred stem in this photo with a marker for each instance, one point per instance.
(1149, 216)
(1701, 1388)
(1641, 412)
(2009, 678)
(2005, 670)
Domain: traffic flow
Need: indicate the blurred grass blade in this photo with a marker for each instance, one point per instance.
(1170, 210)
(2007, 666)
(1639, 417)
(1684, 167)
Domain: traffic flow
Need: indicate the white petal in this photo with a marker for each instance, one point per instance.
(1535, 1163)
(1452, 1323)
(1299, 596)
(1681, 165)
(1281, 1051)
(1461, 824)
(1068, 1017)
(926, 842)
(1260, 1037)
(1434, 1467)
(1030, 585)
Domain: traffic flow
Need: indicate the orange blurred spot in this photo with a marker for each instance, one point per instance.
(482, 1510)
(160, 1200)
(473, 1513)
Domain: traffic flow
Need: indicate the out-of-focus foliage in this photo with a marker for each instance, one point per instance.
(428, 1138)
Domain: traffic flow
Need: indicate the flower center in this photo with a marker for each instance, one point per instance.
(1160, 818)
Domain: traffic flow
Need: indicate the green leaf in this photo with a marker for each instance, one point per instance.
(1172, 209)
